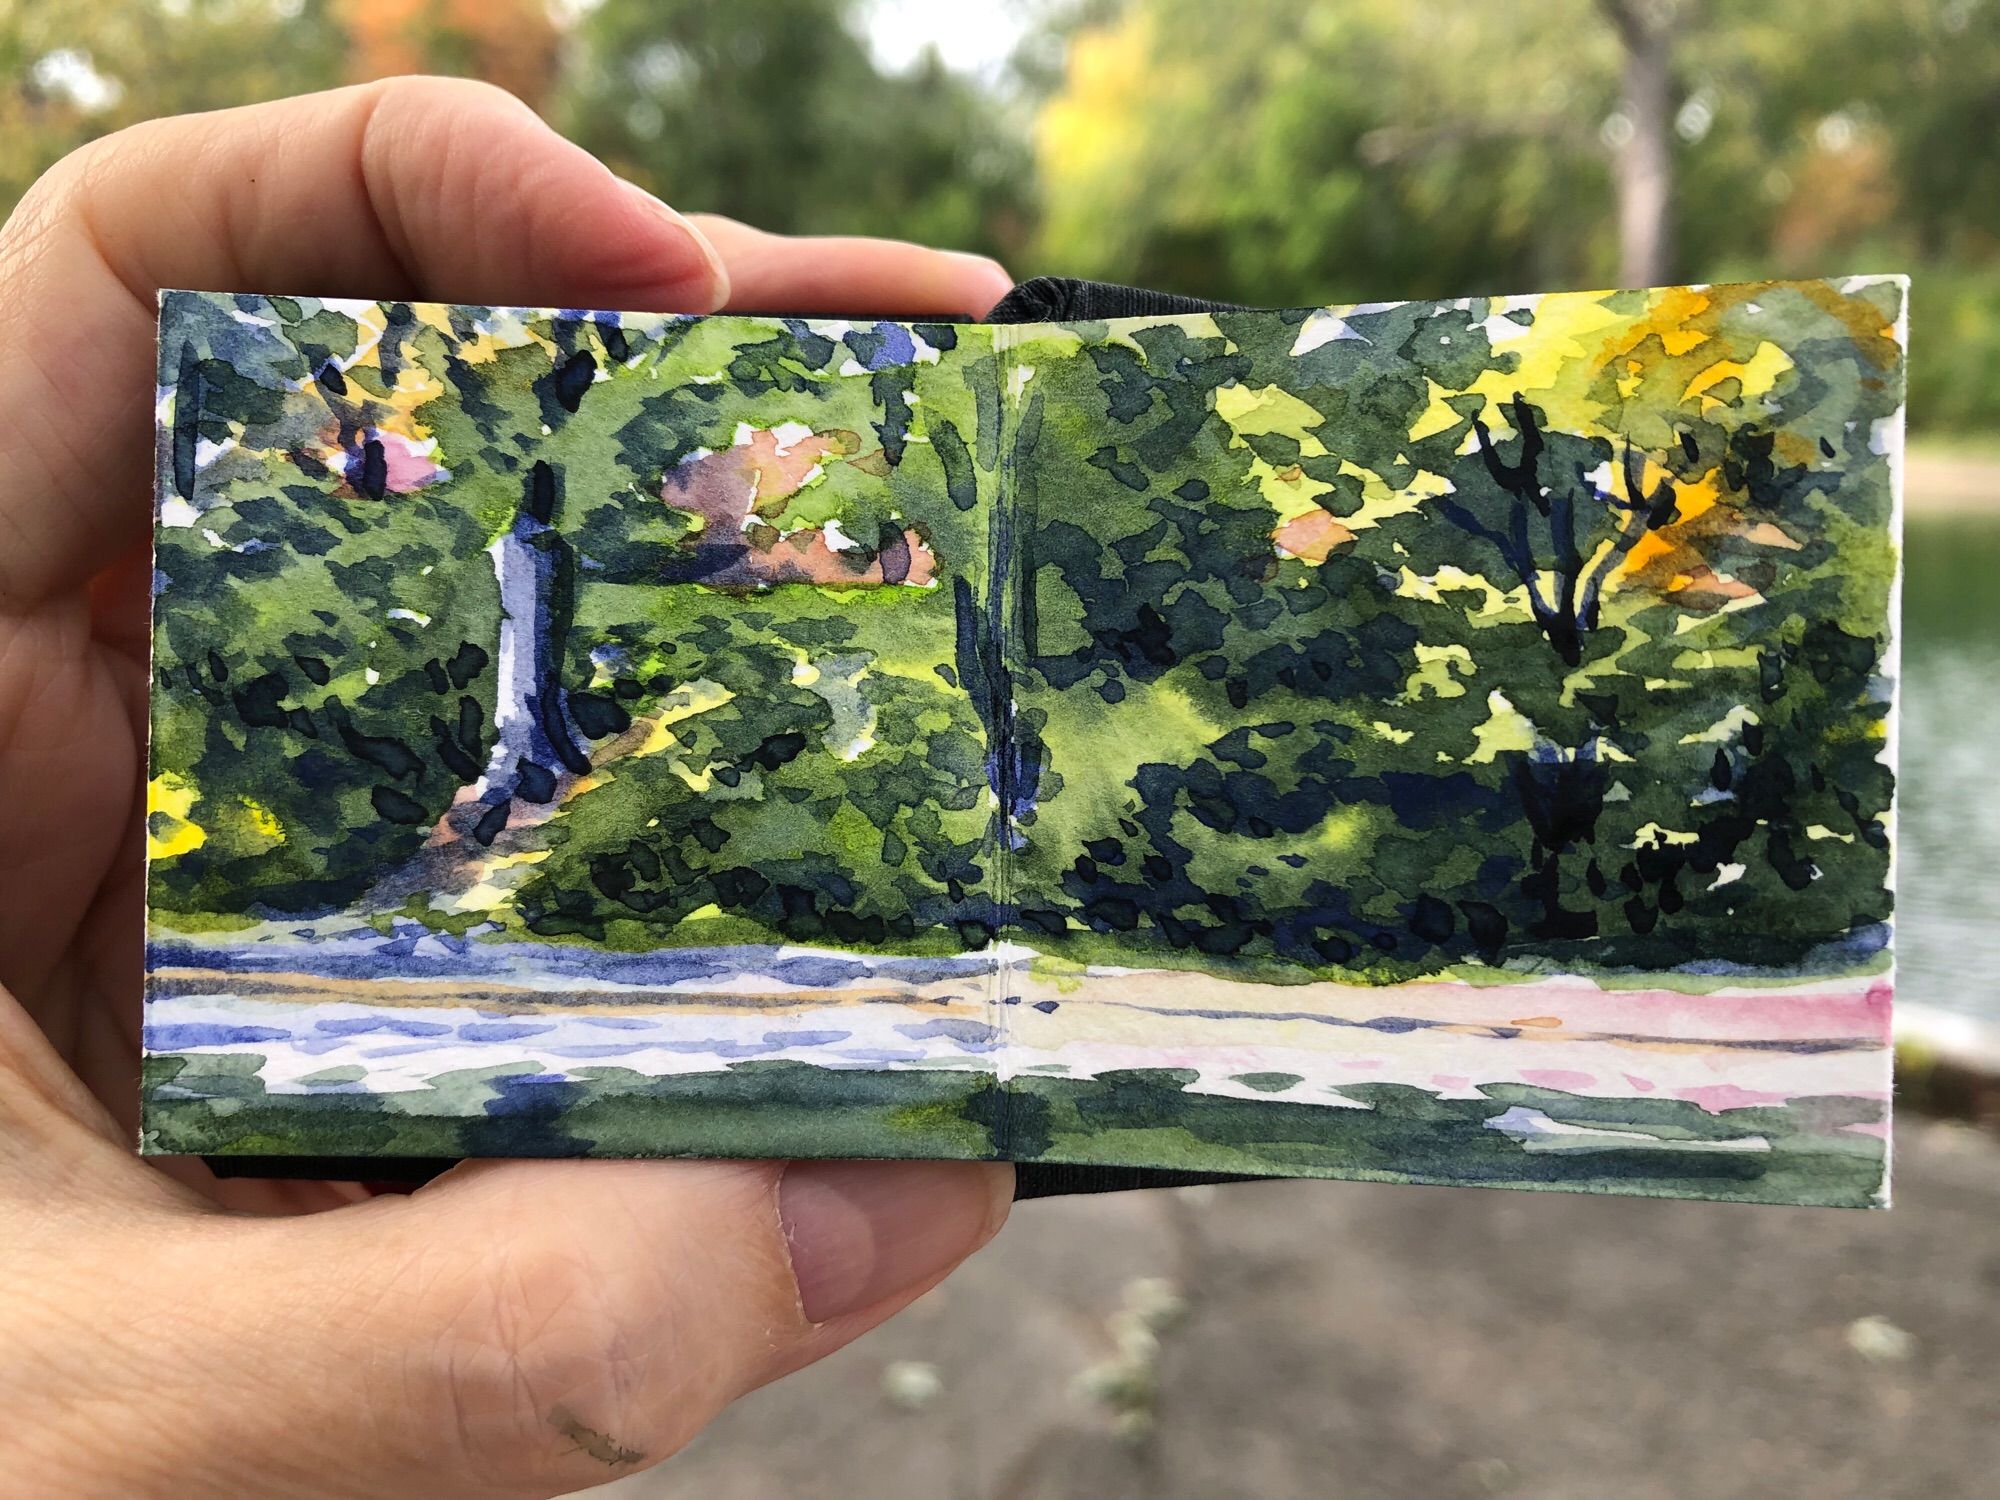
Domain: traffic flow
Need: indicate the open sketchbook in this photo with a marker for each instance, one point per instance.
(1443, 742)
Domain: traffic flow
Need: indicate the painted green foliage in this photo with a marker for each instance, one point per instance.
(781, 1109)
(311, 632)
(801, 761)
(1363, 642)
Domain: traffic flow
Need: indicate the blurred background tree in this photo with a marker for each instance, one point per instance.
(77, 69)
(1291, 151)
(777, 113)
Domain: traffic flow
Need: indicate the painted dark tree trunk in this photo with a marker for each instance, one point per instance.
(995, 632)
(535, 738)
(1562, 797)
(1570, 551)
(1553, 543)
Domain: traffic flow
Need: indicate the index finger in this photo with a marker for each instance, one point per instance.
(413, 187)
(837, 275)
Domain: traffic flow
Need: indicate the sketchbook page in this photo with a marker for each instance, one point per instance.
(558, 743)
(1460, 733)
(1443, 742)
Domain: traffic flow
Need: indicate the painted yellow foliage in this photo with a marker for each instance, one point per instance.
(1637, 368)
(655, 733)
(1753, 377)
(1506, 728)
(170, 832)
(1438, 671)
(1568, 337)
(1267, 409)
(243, 827)
(263, 821)
(1289, 491)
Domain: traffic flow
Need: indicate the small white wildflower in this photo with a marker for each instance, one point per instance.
(1876, 1339)
(911, 1384)
(1156, 1301)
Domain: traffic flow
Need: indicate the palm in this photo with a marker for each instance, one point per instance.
(72, 897)
(73, 680)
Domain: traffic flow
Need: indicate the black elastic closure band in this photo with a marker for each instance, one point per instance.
(1066, 299)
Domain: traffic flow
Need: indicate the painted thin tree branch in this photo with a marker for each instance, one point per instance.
(1569, 608)
(1645, 511)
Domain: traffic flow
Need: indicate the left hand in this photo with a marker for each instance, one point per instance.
(459, 1340)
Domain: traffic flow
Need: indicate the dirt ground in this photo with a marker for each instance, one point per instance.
(1352, 1340)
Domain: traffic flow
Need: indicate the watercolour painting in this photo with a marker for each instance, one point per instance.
(1438, 742)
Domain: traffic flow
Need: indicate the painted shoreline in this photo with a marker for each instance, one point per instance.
(400, 1005)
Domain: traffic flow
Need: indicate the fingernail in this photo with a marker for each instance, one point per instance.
(707, 288)
(859, 1232)
(984, 263)
(998, 278)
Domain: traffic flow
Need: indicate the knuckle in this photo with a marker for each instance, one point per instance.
(426, 144)
(51, 196)
(576, 1355)
(543, 1341)
(78, 172)
(430, 94)
(58, 203)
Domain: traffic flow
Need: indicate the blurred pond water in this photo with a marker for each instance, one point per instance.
(1948, 877)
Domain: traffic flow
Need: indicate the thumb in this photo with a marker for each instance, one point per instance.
(657, 1292)
(516, 1328)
